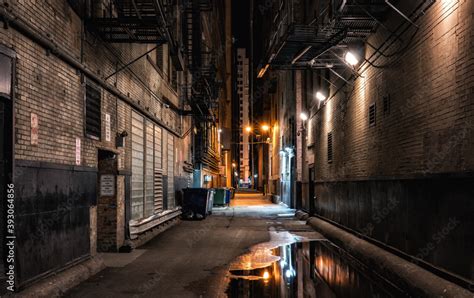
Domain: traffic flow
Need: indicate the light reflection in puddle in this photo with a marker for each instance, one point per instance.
(294, 266)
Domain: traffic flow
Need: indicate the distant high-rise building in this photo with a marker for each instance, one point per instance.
(244, 115)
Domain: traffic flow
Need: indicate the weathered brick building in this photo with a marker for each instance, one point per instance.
(101, 141)
(387, 151)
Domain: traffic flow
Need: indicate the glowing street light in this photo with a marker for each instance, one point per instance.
(234, 165)
(351, 58)
(304, 116)
(265, 127)
(248, 129)
(320, 96)
(219, 130)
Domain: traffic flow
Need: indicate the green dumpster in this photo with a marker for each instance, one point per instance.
(219, 196)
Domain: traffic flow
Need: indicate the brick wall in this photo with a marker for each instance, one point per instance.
(427, 129)
(55, 91)
(402, 180)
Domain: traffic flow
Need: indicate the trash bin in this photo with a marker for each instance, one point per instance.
(219, 196)
(210, 200)
(228, 194)
(197, 202)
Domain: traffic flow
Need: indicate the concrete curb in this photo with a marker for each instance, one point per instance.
(416, 281)
(57, 285)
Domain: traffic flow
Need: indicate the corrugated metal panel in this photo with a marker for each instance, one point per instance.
(171, 202)
(158, 178)
(149, 173)
(137, 166)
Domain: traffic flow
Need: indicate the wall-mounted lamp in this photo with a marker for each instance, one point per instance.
(219, 130)
(320, 96)
(303, 116)
(351, 58)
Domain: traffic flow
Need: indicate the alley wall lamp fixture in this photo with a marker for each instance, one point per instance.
(320, 96)
(265, 127)
(248, 129)
(351, 58)
(303, 116)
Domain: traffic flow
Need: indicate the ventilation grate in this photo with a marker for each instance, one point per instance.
(330, 154)
(372, 114)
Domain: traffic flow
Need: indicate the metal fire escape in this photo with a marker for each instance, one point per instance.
(136, 21)
(203, 87)
(297, 42)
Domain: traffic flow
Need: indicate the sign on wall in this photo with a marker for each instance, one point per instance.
(34, 129)
(107, 128)
(107, 185)
(78, 151)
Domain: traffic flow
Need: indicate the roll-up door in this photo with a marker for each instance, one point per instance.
(171, 202)
(137, 166)
(149, 164)
(158, 177)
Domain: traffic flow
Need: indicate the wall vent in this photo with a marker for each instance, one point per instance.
(372, 115)
(330, 147)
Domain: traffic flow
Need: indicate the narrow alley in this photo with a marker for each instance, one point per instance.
(201, 253)
(236, 148)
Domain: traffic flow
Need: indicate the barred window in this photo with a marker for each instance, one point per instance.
(330, 147)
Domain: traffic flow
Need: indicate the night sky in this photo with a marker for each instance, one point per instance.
(240, 23)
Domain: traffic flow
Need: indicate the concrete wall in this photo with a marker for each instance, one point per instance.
(419, 152)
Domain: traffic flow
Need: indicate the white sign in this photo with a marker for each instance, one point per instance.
(107, 185)
(78, 151)
(107, 127)
(34, 129)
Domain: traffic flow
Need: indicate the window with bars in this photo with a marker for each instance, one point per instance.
(330, 145)
(93, 119)
(372, 114)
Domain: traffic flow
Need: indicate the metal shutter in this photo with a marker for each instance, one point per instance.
(149, 164)
(137, 166)
(171, 203)
(158, 177)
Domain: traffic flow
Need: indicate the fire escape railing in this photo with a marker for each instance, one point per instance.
(137, 21)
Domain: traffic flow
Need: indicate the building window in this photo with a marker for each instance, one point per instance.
(330, 147)
(372, 114)
(93, 119)
(386, 105)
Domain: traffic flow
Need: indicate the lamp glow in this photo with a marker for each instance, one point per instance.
(266, 275)
(351, 58)
(304, 116)
(265, 127)
(248, 129)
(320, 96)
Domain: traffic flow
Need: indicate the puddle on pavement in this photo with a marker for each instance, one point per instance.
(295, 266)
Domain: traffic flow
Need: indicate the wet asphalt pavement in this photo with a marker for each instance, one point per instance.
(192, 259)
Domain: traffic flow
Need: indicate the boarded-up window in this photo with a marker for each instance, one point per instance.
(160, 57)
(93, 120)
